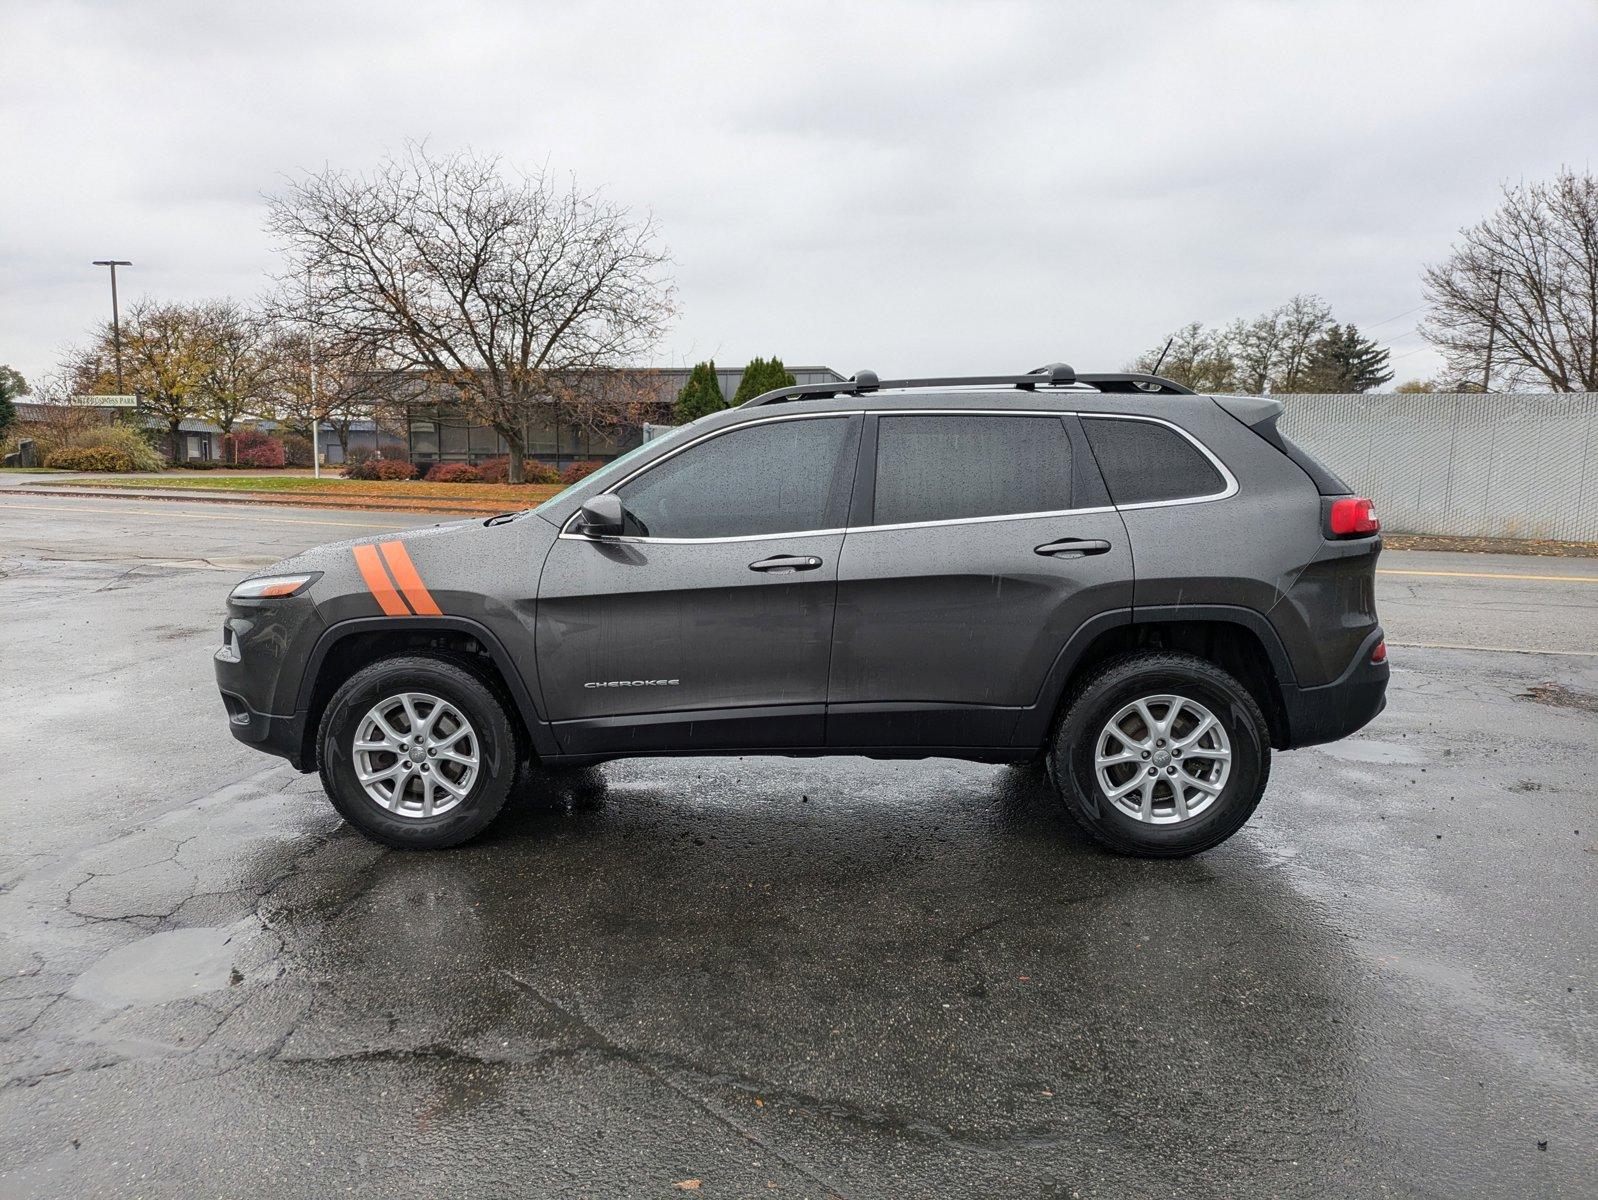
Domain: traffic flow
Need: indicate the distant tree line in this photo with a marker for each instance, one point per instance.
(1513, 306)
(1295, 347)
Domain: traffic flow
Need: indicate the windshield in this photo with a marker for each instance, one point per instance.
(618, 466)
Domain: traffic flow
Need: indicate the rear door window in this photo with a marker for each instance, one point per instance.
(954, 466)
(1145, 463)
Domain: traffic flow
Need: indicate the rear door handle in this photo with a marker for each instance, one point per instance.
(787, 562)
(1072, 547)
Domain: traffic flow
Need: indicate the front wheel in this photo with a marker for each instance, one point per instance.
(417, 751)
(1161, 754)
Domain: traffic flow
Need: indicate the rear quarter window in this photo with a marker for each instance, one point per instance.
(1146, 463)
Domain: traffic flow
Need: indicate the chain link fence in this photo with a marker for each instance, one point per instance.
(1513, 466)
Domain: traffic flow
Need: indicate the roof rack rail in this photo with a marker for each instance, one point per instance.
(1054, 375)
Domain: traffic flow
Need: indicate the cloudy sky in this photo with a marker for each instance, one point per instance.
(914, 187)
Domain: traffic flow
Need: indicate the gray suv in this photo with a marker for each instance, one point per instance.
(1140, 590)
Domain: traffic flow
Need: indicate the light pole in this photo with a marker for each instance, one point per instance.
(116, 320)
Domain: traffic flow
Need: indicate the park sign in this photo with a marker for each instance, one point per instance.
(107, 401)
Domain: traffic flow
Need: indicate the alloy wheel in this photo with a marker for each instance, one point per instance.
(1162, 759)
(416, 755)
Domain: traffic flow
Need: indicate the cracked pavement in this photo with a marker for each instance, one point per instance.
(779, 977)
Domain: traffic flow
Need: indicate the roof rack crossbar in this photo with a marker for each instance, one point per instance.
(1054, 375)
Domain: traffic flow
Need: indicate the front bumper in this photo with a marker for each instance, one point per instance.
(258, 670)
(1337, 709)
(283, 736)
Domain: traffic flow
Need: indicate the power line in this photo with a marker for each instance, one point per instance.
(1390, 320)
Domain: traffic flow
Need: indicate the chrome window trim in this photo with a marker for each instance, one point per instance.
(1231, 488)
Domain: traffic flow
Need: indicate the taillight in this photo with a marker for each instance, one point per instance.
(1379, 654)
(1353, 514)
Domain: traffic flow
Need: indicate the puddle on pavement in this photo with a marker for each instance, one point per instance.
(174, 965)
(1357, 750)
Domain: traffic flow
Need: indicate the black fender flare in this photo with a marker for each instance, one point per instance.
(1034, 725)
(537, 728)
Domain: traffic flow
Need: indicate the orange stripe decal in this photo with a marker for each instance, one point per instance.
(378, 582)
(410, 582)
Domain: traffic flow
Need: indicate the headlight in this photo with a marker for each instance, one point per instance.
(274, 587)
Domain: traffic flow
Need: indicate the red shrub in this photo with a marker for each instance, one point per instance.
(579, 470)
(454, 473)
(497, 470)
(251, 448)
(395, 468)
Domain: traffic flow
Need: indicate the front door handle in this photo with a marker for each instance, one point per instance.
(1072, 547)
(787, 562)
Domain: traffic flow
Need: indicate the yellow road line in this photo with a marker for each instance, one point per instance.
(1490, 575)
(1493, 649)
(167, 512)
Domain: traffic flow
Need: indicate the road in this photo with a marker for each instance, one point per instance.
(782, 977)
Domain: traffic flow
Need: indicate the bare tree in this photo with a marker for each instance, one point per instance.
(1272, 351)
(1193, 356)
(320, 380)
(500, 292)
(1525, 283)
(237, 374)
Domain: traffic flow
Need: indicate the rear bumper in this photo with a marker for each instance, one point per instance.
(1337, 709)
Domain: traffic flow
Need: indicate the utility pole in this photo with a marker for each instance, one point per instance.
(116, 320)
(316, 416)
(1492, 331)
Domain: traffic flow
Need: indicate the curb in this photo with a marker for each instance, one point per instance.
(352, 503)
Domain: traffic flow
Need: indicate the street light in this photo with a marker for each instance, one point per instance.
(116, 321)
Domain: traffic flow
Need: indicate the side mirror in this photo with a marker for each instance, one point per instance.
(601, 517)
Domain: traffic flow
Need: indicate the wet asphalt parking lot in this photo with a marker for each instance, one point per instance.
(782, 977)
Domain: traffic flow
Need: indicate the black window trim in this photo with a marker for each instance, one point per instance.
(862, 448)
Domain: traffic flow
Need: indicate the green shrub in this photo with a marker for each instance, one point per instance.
(104, 448)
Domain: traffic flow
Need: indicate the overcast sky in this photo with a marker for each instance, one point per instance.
(910, 187)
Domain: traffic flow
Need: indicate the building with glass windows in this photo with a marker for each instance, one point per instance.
(437, 430)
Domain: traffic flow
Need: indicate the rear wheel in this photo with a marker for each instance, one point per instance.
(1161, 754)
(417, 751)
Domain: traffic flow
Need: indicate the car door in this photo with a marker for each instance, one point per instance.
(708, 624)
(989, 539)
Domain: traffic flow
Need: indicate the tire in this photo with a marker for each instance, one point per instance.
(419, 819)
(1215, 804)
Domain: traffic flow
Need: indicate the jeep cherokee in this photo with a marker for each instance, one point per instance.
(1142, 590)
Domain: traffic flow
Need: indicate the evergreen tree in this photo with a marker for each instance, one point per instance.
(760, 376)
(1344, 360)
(12, 385)
(700, 395)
